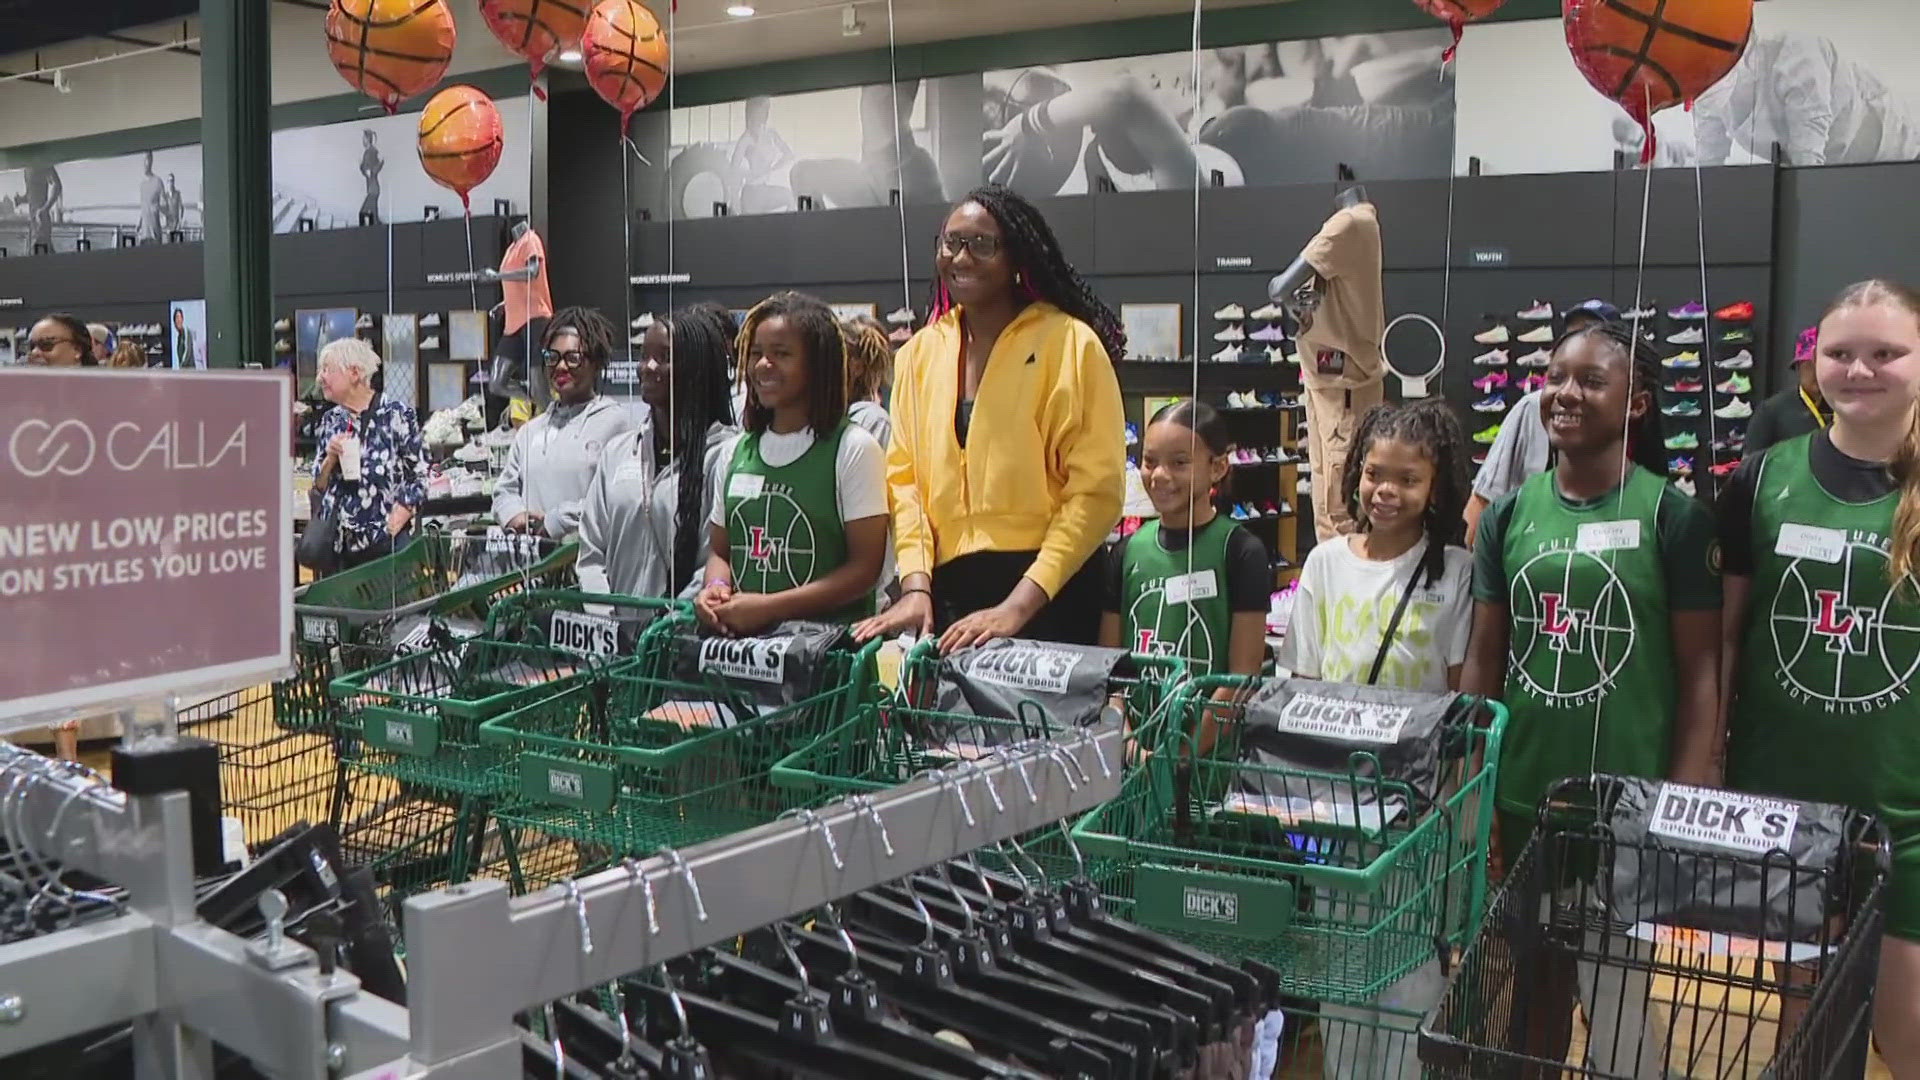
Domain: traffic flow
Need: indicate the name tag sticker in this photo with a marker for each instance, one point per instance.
(1811, 542)
(631, 471)
(1186, 588)
(1608, 536)
(745, 485)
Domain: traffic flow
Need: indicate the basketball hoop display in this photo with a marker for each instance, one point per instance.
(1415, 385)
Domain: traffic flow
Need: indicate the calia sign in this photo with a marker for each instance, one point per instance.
(144, 536)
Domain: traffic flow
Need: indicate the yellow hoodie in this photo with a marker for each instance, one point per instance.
(1045, 461)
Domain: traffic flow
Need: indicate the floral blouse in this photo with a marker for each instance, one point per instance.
(393, 470)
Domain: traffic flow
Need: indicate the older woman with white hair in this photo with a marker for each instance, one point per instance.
(372, 473)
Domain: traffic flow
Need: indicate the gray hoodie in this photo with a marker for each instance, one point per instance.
(626, 527)
(552, 461)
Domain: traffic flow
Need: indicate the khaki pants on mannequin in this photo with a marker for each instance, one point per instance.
(1332, 416)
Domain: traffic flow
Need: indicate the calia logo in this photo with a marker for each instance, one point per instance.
(70, 447)
(38, 448)
(1210, 905)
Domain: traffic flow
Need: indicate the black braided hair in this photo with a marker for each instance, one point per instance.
(1045, 272)
(1430, 425)
(826, 360)
(82, 337)
(869, 357)
(702, 340)
(1646, 437)
(592, 328)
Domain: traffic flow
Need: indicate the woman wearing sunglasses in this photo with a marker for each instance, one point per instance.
(552, 460)
(60, 340)
(1008, 455)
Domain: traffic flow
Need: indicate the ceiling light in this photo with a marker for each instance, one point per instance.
(569, 56)
(740, 11)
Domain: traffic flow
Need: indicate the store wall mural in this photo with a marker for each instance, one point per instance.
(330, 174)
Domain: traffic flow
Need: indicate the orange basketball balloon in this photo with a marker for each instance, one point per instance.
(1650, 54)
(627, 56)
(390, 49)
(460, 139)
(1457, 14)
(536, 29)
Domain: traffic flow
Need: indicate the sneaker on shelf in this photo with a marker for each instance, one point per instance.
(1724, 468)
(1268, 334)
(1486, 436)
(1692, 311)
(431, 343)
(1737, 409)
(1740, 361)
(1236, 401)
(1280, 455)
(1292, 404)
(1493, 404)
(1304, 487)
(1680, 466)
(280, 326)
(900, 317)
(1491, 381)
(1492, 358)
(1684, 485)
(1737, 337)
(472, 451)
(1276, 355)
(637, 340)
(1692, 335)
(498, 436)
(1268, 313)
(1533, 382)
(1479, 457)
(432, 319)
(1686, 386)
(1685, 409)
(1293, 357)
(1732, 444)
(1686, 440)
(1539, 335)
(1133, 434)
(364, 322)
(1231, 313)
(480, 378)
(900, 336)
(1243, 512)
(1682, 361)
(1740, 312)
(1541, 311)
(1275, 509)
(1497, 335)
(1228, 355)
(1538, 358)
(1641, 313)
(1231, 333)
(1267, 399)
(1735, 384)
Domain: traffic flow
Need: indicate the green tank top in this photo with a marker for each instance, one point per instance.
(784, 523)
(1171, 609)
(1824, 705)
(1589, 637)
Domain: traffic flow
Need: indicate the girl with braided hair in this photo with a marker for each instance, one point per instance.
(869, 365)
(643, 531)
(1007, 458)
(552, 460)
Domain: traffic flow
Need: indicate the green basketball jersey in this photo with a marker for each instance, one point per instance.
(1824, 704)
(1172, 608)
(784, 523)
(1589, 637)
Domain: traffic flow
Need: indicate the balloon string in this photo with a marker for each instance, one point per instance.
(900, 168)
(1459, 29)
(1706, 301)
(673, 444)
(1193, 149)
(473, 289)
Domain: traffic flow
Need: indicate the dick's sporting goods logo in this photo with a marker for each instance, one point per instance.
(1843, 641)
(1210, 905)
(1723, 819)
(761, 660)
(1025, 667)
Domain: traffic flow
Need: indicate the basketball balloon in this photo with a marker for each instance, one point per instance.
(1457, 14)
(536, 29)
(390, 49)
(1650, 54)
(627, 56)
(460, 139)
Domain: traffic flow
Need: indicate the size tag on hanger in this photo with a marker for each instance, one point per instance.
(1811, 542)
(1596, 536)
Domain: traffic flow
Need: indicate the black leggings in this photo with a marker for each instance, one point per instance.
(978, 581)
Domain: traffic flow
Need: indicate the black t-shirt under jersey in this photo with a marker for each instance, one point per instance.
(1249, 582)
(1845, 478)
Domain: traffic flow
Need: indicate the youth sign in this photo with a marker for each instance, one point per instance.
(144, 541)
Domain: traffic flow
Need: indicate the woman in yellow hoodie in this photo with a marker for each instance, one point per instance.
(1008, 455)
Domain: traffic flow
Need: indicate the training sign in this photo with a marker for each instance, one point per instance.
(1723, 819)
(145, 543)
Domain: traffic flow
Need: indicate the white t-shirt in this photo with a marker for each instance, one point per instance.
(860, 470)
(1345, 602)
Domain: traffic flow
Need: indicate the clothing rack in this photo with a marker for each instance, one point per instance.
(476, 956)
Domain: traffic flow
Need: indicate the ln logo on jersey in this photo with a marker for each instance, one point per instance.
(1562, 623)
(1573, 623)
(1723, 819)
(1166, 627)
(779, 536)
(1841, 638)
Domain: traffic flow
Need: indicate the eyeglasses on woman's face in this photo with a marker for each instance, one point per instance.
(572, 358)
(980, 247)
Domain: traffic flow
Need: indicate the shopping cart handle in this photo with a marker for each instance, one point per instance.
(365, 614)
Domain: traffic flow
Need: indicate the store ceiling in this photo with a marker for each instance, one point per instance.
(706, 35)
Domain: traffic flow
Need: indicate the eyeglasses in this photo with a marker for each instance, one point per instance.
(980, 247)
(47, 345)
(572, 359)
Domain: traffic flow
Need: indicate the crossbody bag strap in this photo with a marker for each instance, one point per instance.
(1393, 627)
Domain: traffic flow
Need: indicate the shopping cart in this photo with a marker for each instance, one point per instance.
(676, 745)
(423, 782)
(404, 602)
(1702, 933)
(270, 778)
(1336, 870)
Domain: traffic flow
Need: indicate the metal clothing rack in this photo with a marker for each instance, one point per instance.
(476, 956)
